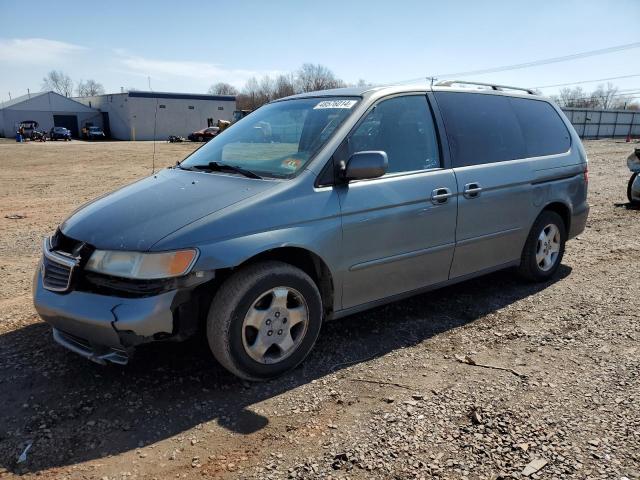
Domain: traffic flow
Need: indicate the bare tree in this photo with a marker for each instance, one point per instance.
(266, 90)
(308, 78)
(284, 85)
(57, 81)
(604, 97)
(574, 97)
(312, 77)
(249, 98)
(222, 88)
(89, 88)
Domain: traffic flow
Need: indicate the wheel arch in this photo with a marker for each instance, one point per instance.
(561, 209)
(306, 260)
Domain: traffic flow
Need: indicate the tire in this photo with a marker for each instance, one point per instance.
(629, 185)
(530, 268)
(256, 288)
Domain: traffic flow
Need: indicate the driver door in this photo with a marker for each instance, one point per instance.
(399, 229)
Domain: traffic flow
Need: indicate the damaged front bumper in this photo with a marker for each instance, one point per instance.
(105, 328)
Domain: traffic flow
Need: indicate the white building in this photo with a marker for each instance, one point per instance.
(156, 115)
(49, 109)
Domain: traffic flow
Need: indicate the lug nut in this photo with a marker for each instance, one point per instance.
(279, 332)
(270, 332)
(277, 314)
(268, 322)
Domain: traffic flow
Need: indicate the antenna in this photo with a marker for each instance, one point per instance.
(155, 123)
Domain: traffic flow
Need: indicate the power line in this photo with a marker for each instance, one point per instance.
(535, 63)
(589, 81)
(564, 58)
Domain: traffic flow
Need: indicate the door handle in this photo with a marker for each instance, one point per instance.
(440, 195)
(472, 190)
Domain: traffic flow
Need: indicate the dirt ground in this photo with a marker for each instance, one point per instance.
(384, 393)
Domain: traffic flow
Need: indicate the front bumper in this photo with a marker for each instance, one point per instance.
(104, 328)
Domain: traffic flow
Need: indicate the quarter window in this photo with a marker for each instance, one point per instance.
(544, 131)
(403, 128)
(481, 128)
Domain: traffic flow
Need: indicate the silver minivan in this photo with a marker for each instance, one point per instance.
(311, 208)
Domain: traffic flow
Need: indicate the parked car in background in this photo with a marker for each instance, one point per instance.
(60, 133)
(353, 198)
(240, 114)
(27, 128)
(204, 135)
(93, 133)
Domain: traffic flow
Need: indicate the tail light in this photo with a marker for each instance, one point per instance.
(586, 175)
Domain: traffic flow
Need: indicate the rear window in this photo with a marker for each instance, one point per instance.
(544, 131)
(481, 128)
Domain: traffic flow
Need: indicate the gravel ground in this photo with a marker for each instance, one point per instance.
(492, 378)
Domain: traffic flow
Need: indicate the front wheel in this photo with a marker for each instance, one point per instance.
(544, 247)
(264, 320)
(630, 190)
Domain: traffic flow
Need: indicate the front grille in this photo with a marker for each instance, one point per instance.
(56, 276)
(57, 268)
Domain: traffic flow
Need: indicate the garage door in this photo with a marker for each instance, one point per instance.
(67, 121)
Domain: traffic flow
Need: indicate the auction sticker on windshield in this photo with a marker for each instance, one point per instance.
(335, 104)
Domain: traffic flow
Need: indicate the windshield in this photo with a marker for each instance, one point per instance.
(278, 139)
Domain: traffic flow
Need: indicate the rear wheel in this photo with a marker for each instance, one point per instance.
(629, 188)
(200, 139)
(544, 247)
(264, 320)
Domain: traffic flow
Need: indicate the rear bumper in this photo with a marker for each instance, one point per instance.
(579, 221)
(104, 328)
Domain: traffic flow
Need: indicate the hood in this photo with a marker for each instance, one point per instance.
(139, 215)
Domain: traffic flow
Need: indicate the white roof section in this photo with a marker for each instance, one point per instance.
(45, 101)
(20, 99)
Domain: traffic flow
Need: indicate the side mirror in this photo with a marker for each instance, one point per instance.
(364, 165)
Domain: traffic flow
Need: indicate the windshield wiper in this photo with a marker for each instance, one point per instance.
(222, 167)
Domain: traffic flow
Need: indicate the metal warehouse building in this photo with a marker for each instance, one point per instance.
(49, 109)
(136, 115)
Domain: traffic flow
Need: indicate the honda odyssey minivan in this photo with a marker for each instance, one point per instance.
(312, 208)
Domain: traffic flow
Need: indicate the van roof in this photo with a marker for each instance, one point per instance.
(449, 86)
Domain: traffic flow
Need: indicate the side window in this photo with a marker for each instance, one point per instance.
(403, 128)
(544, 131)
(481, 128)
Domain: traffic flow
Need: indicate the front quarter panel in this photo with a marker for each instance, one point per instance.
(293, 215)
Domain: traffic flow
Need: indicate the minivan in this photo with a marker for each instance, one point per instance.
(311, 208)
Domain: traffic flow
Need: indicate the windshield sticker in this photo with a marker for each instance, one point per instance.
(292, 163)
(335, 104)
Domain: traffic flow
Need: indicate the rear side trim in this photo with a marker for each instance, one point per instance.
(401, 256)
(411, 293)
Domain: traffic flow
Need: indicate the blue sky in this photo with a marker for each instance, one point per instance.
(188, 47)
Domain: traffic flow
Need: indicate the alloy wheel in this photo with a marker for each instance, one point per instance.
(275, 325)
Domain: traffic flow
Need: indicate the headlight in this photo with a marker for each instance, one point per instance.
(145, 266)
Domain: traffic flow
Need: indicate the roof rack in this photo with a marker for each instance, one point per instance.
(448, 83)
